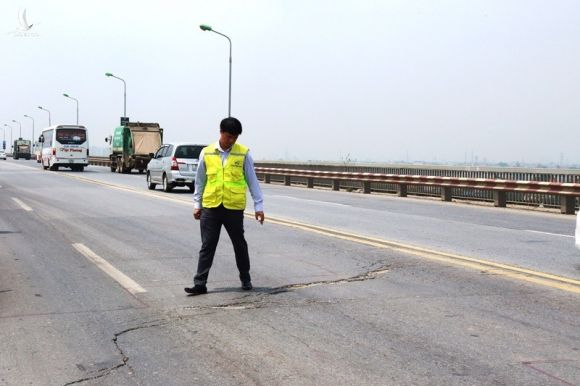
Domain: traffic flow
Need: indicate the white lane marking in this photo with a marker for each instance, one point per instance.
(22, 205)
(125, 281)
(548, 233)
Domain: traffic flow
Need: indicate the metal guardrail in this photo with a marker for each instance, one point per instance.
(506, 173)
(566, 191)
(537, 187)
(99, 161)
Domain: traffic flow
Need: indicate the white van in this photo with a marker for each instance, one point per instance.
(64, 145)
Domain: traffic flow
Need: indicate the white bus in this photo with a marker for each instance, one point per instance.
(64, 145)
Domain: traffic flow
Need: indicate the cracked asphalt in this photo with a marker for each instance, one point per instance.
(324, 311)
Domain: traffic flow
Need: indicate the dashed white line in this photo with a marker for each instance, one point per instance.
(550, 234)
(22, 205)
(125, 281)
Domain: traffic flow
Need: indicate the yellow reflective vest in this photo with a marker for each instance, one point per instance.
(225, 184)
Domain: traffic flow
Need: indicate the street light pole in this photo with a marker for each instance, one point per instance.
(124, 92)
(42, 108)
(28, 116)
(76, 100)
(205, 27)
(20, 125)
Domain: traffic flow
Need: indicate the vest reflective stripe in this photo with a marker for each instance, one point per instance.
(225, 184)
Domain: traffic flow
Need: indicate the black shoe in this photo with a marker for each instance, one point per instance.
(247, 285)
(196, 290)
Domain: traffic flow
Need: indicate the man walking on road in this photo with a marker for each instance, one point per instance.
(225, 170)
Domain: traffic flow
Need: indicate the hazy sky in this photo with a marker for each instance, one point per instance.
(312, 80)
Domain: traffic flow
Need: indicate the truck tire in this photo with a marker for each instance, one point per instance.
(167, 187)
(150, 185)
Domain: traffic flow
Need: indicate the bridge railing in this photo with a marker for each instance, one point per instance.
(444, 187)
(99, 161)
(533, 187)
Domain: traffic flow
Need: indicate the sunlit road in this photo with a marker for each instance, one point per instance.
(93, 265)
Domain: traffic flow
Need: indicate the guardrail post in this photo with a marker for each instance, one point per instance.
(310, 182)
(499, 199)
(445, 193)
(567, 204)
(402, 190)
(366, 187)
(267, 178)
(287, 180)
(335, 184)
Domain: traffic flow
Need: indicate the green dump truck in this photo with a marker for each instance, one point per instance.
(22, 149)
(132, 145)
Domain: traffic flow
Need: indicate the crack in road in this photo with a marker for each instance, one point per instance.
(124, 358)
(258, 300)
(255, 301)
(370, 275)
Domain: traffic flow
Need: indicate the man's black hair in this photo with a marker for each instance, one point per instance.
(231, 125)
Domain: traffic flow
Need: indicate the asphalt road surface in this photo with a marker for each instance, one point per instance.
(350, 289)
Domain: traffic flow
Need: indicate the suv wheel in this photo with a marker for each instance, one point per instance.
(166, 185)
(150, 184)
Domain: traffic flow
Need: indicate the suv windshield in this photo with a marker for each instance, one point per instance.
(188, 151)
(71, 136)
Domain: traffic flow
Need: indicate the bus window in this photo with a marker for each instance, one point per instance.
(71, 136)
(47, 139)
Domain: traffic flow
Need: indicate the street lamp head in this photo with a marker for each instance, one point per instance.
(27, 116)
(108, 74)
(14, 121)
(40, 107)
(205, 27)
(66, 95)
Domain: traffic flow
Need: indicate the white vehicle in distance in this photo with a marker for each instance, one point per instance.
(174, 164)
(64, 146)
(2, 154)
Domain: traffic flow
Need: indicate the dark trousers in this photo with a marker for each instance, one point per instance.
(211, 223)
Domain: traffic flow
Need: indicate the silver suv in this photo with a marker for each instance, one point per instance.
(174, 164)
